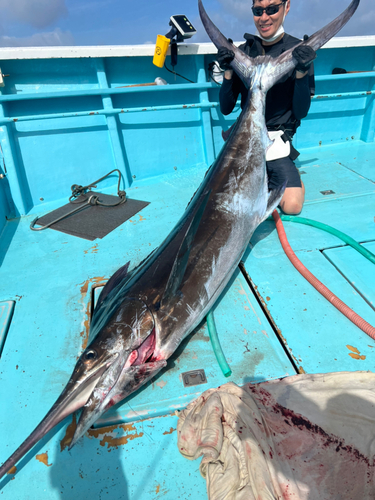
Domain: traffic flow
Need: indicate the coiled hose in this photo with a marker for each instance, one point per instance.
(335, 301)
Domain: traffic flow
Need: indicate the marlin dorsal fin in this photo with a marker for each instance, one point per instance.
(182, 257)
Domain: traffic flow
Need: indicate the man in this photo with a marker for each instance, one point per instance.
(287, 102)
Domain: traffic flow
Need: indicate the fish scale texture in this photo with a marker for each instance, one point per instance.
(304, 437)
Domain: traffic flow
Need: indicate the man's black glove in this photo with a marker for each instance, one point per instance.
(304, 56)
(224, 57)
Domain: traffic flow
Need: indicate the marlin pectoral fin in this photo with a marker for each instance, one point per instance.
(114, 280)
(181, 260)
(274, 198)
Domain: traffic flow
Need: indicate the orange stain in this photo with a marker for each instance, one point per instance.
(112, 441)
(356, 356)
(93, 249)
(12, 470)
(66, 440)
(43, 458)
(169, 432)
(85, 288)
(353, 349)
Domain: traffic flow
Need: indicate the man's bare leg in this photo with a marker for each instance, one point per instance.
(292, 201)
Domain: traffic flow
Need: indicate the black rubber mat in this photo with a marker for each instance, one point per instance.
(92, 221)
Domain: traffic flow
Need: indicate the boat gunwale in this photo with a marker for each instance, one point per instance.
(147, 50)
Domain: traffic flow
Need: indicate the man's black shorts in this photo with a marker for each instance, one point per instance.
(280, 170)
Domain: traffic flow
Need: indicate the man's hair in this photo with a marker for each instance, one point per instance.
(283, 1)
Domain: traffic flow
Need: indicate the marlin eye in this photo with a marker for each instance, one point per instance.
(91, 354)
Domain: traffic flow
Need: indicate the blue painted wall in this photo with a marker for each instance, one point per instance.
(92, 133)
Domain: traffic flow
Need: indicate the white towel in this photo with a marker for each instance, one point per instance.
(306, 437)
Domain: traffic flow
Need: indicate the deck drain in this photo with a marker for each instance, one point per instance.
(195, 377)
(329, 191)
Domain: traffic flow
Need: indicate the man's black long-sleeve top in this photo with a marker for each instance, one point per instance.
(288, 101)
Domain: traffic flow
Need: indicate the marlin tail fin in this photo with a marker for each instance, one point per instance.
(246, 67)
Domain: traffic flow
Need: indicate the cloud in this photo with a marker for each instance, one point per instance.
(241, 9)
(90, 6)
(308, 18)
(37, 13)
(53, 38)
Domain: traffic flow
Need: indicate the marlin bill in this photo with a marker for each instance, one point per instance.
(143, 314)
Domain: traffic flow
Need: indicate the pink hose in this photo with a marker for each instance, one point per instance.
(349, 313)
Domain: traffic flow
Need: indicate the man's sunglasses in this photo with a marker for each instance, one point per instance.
(270, 10)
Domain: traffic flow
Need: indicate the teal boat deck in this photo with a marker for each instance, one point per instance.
(72, 120)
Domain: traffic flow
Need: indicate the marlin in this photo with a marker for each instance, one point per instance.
(143, 315)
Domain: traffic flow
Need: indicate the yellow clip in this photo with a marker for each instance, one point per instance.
(162, 44)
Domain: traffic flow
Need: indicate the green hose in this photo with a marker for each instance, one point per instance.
(344, 237)
(216, 345)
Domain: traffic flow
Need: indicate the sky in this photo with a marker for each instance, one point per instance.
(133, 22)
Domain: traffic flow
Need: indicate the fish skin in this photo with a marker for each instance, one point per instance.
(140, 320)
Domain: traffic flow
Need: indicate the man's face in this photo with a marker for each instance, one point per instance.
(268, 25)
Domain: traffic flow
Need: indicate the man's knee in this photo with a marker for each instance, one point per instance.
(292, 201)
(291, 207)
